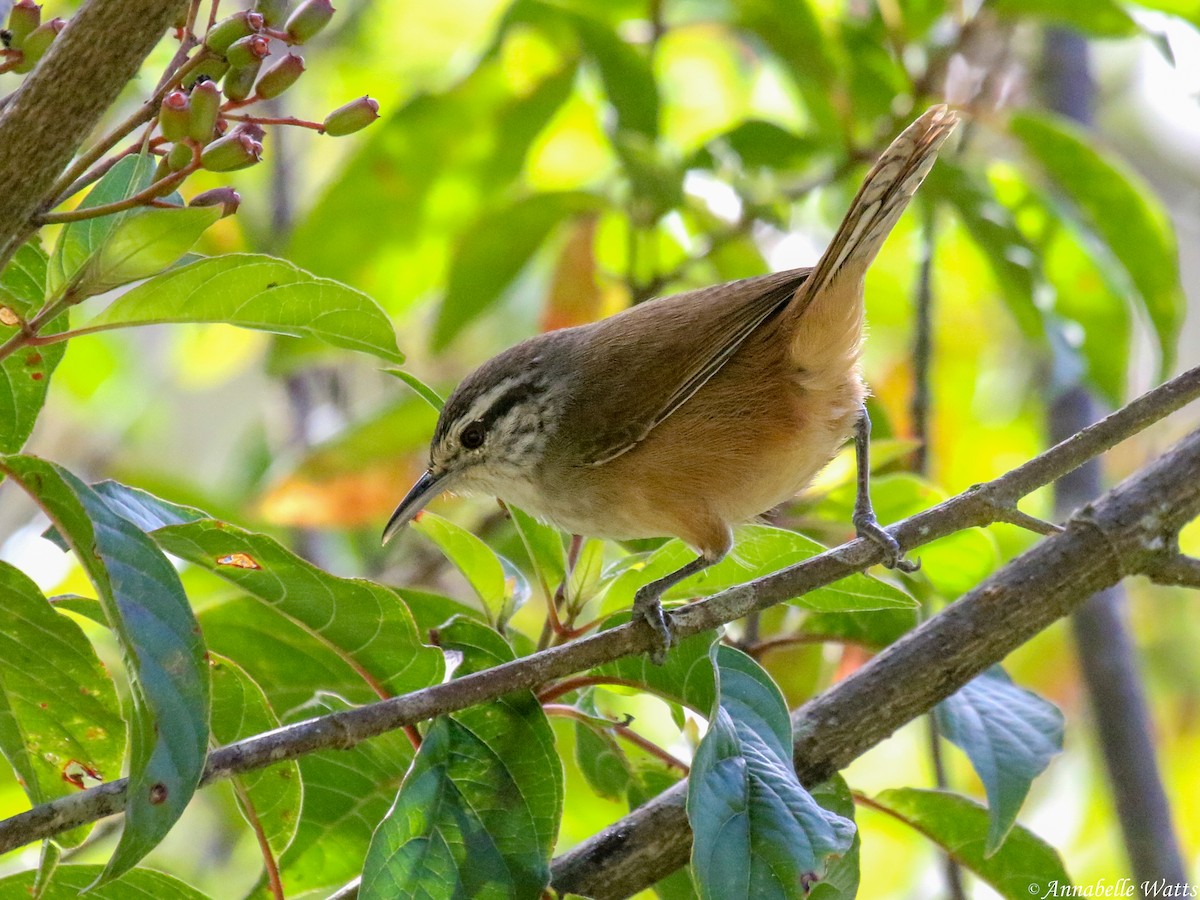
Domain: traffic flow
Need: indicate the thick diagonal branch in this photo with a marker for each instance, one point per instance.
(1121, 534)
(63, 99)
(980, 506)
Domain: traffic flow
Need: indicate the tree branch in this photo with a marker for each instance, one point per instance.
(1117, 536)
(63, 99)
(973, 508)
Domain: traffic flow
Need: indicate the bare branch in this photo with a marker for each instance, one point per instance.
(973, 508)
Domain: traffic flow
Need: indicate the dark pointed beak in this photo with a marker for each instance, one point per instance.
(427, 487)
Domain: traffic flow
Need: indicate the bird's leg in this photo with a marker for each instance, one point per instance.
(865, 523)
(648, 605)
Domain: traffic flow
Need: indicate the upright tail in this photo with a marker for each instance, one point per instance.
(883, 196)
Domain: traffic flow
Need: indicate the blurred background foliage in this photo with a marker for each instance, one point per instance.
(543, 164)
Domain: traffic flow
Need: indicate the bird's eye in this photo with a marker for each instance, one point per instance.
(472, 436)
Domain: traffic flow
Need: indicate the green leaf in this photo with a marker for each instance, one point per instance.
(626, 74)
(1100, 18)
(478, 812)
(422, 390)
(25, 374)
(759, 550)
(760, 144)
(481, 567)
(71, 881)
(544, 546)
(366, 625)
(79, 241)
(756, 832)
(60, 721)
(1121, 210)
(269, 799)
(599, 757)
(842, 874)
(260, 292)
(144, 243)
(494, 250)
(686, 675)
(160, 641)
(1025, 866)
(1009, 734)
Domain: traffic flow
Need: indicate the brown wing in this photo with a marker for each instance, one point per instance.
(657, 355)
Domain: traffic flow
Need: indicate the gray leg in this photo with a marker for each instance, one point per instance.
(865, 523)
(647, 605)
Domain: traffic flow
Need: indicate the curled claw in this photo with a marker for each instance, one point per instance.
(868, 527)
(646, 605)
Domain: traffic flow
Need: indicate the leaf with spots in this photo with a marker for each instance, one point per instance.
(160, 642)
(270, 798)
(478, 812)
(25, 374)
(259, 292)
(366, 625)
(60, 721)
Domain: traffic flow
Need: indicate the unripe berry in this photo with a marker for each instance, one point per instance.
(239, 83)
(37, 43)
(205, 105)
(280, 76)
(24, 18)
(174, 116)
(308, 20)
(232, 28)
(274, 12)
(237, 150)
(354, 116)
(179, 157)
(253, 48)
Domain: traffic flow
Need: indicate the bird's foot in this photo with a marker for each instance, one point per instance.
(867, 526)
(646, 605)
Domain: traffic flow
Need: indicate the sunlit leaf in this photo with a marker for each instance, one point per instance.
(491, 253)
(270, 798)
(79, 241)
(759, 550)
(1010, 735)
(1102, 18)
(1120, 209)
(70, 881)
(756, 832)
(481, 567)
(25, 374)
(60, 722)
(478, 812)
(259, 292)
(146, 607)
(1024, 866)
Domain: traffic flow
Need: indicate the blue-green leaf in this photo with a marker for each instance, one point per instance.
(757, 833)
(1009, 734)
(478, 812)
(146, 607)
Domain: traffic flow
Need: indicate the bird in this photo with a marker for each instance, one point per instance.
(686, 415)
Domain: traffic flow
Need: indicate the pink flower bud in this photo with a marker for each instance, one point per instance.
(225, 197)
(236, 150)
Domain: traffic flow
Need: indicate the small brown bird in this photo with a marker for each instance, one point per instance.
(686, 415)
